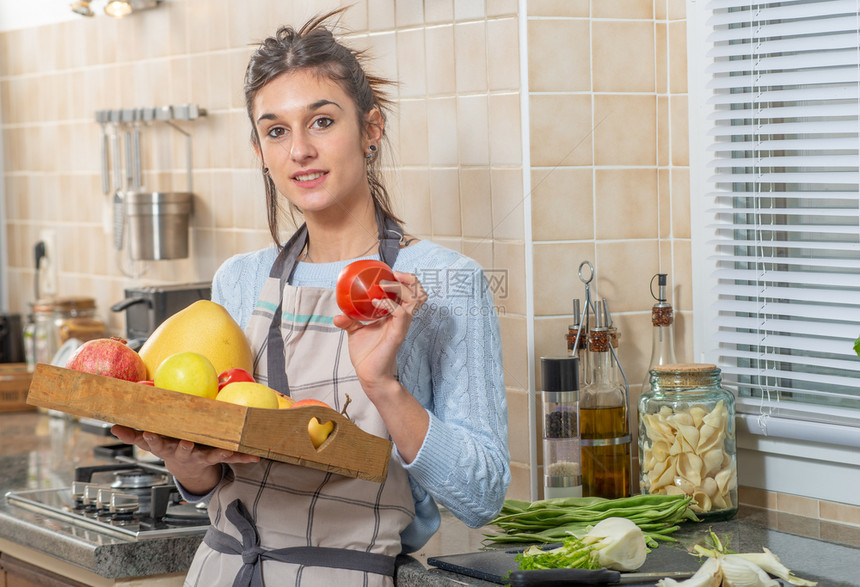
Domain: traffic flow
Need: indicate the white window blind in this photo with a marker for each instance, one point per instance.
(783, 167)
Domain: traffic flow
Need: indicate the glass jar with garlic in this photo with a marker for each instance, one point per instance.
(687, 439)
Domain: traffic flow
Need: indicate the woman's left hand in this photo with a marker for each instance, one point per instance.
(373, 347)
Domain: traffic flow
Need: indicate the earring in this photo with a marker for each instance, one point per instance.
(265, 171)
(372, 152)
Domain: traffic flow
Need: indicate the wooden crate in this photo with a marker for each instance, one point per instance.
(281, 435)
(14, 381)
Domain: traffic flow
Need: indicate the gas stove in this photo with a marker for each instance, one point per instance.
(127, 498)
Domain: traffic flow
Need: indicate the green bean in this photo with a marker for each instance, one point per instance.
(552, 520)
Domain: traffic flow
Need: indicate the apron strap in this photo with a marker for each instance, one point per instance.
(390, 238)
(251, 572)
(282, 269)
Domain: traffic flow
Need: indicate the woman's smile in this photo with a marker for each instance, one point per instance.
(309, 179)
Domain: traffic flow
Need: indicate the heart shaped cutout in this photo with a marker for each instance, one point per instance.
(319, 431)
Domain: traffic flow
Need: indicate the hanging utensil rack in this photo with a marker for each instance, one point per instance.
(123, 176)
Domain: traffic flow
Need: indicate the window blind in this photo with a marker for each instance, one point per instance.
(783, 107)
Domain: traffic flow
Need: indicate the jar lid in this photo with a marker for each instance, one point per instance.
(560, 373)
(43, 305)
(684, 367)
(74, 303)
(685, 375)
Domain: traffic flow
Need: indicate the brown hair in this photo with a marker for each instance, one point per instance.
(314, 47)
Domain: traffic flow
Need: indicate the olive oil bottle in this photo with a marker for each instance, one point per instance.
(604, 429)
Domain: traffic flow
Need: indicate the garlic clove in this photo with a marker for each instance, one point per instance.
(739, 572)
(708, 575)
(769, 562)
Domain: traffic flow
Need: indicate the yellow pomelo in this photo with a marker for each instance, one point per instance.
(248, 393)
(203, 327)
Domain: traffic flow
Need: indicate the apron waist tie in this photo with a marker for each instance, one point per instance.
(251, 573)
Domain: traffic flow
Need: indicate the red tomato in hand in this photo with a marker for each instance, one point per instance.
(233, 375)
(358, 285)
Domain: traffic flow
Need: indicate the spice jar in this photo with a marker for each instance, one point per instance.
(561, 453)
(57, 320)
(43, 341)
(687, 439)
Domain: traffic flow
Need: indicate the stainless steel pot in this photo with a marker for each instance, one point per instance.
(158, 224)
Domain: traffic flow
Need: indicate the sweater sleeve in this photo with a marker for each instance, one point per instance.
(239, 280)
(452, 363)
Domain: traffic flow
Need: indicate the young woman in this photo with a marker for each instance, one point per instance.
(428, 375)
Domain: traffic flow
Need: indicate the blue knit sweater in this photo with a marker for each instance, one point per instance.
(451, 361)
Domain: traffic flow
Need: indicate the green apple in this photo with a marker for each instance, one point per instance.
(188, 372)
(249, 393)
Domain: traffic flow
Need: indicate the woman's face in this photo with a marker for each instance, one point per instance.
(312, 142)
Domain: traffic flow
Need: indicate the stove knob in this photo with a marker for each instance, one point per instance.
(90, 498)
(103, 500)
(78, 494)
(124, 503)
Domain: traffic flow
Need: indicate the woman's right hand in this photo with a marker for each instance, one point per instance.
(196, 467)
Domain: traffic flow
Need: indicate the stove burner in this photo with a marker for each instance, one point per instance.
(127, 499)
(137, 479)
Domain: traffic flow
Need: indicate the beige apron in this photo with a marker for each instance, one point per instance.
(278, 524)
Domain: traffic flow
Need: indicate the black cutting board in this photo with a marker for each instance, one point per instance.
(494, 565)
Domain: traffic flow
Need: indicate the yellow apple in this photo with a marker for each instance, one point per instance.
(319, 432)
(249, 393)
(187, 372)
(285, 401)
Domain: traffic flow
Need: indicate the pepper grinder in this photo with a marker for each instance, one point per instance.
(561, 450)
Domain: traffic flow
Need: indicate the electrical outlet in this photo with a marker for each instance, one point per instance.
(50, 263)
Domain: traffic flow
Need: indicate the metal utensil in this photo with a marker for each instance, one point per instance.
(570, 577)
(102, 118)
(116, 149)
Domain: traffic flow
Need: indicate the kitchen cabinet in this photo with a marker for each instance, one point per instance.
(17, 573)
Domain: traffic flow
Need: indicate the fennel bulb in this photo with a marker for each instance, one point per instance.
(614, 543)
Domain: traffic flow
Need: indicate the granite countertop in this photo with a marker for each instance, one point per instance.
(834, 562)
(41, 452)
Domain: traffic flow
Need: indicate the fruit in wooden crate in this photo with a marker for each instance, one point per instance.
(285, 401)
(109, 357)
(310, 402)
(204, 327)
(233, 375)
(318, 431)
(188, 372)
(249, 393)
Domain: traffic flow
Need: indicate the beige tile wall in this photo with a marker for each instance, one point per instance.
(609, 175)
(608, 152)
(608, 168)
